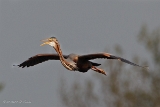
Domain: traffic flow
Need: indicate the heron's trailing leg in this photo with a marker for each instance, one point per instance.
(98, 70)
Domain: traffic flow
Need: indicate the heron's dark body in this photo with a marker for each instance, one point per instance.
(85, 65)
(82, 65)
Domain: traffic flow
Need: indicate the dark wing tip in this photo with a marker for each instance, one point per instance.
(22, 65)
(131, 63)
(15, 65)
(19, 66)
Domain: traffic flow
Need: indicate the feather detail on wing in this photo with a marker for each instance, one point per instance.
(108, 56)
(39, 58)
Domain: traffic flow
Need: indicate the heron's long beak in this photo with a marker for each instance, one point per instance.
(45, 42)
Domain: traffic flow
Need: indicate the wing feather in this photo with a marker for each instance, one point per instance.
(39, 58)
(106, 55)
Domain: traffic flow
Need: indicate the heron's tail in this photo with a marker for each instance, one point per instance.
(95, 64)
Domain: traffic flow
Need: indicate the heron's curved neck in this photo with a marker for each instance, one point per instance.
(62, 59)
(59, 51)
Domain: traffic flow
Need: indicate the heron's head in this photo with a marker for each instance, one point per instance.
(52, 41)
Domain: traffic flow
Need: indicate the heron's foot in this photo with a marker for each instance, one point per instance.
(98, 70)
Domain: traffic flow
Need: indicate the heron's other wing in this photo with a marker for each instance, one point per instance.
(106, 55)
(39, 58)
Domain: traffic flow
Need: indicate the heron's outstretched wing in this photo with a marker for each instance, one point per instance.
(105, 55)
(39, 58)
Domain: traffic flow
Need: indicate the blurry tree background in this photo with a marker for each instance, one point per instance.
(1, 86)
(124, 86)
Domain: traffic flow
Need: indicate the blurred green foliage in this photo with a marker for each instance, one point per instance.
(1, 86)
(123, 87)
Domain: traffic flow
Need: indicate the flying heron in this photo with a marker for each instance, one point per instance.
(72, 62)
